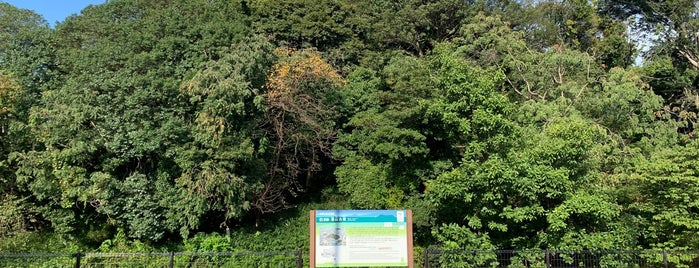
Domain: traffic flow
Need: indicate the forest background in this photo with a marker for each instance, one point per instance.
(207, 125)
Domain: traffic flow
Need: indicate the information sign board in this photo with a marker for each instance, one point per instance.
(361, 238)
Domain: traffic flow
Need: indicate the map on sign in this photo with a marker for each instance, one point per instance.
(353, 238)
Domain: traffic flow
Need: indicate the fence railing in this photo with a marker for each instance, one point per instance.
(433, 257)
(561, 258)
(282, 259)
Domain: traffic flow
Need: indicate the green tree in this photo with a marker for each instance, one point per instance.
(304, 23)
(543, 193)
(677, 87)
(15, 209)
(543, 185)
(423, 24)
(223, 164)
(382, 144)
(660, 191)
(675, 52)
(221, 157)
(10, 94)
(572, 24)
(415, 120)
(115, 135)
(27, 53)
(26, 69)
(674, 22)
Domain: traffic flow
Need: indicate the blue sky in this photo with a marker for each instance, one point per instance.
(54, 10)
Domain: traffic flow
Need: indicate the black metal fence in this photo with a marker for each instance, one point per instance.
(281, 259)
(561, 258)
(432, 258)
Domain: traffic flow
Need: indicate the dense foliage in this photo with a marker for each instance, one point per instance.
(501, 124)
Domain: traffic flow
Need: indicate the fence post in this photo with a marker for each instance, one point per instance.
(427, 256)
(172, 259)
(547, 258)
(299, 256)
(665, 262)
(78, 256)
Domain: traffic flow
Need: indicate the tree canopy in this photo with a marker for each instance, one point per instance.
(501, 124)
